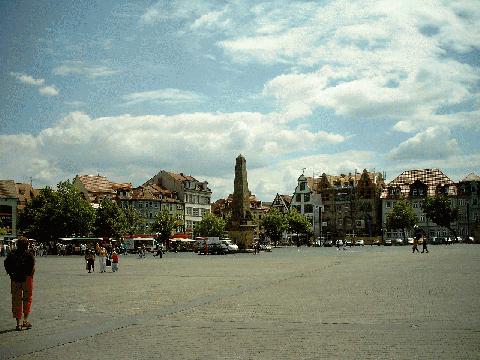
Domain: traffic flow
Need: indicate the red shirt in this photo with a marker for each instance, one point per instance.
(115, 258)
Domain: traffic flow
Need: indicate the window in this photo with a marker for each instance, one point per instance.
(414, 192)
(302, 186)
(309, 208)
(388, 204)
(189, 211)
(179, 207)
(306, 197)
(196, 212)
(415, 205)
(298, 198)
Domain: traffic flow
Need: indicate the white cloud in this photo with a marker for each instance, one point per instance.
(369, 59)
(27, 79)
(80, 68)
(169, 96)
(203, 144)
(48, 90)
(177, 9)
(433, 143)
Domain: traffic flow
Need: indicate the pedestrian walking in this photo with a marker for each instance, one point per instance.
(159, 250)
(20, 266)
(102, 256)
(424, 244)
(115, 260)
(417, 235)
(90, 259)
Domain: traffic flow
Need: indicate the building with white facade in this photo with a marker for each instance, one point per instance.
(308, 203)
(195, 194)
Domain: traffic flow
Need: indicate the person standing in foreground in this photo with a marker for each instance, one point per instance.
(20, 266)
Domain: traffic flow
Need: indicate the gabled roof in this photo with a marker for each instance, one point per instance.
(181, 176)
(25, 193)
(8, 189)
(471, 177)
(430, 177)
(96, 184)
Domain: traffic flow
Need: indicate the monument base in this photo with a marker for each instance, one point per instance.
(243, 238)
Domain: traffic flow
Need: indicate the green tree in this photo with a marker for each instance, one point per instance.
(77, 215)
(299, 225)
(210, 225)
(111, 221)
(134, 220)
(438, 210)
(274, 224)
(164, 225)
(54, 214)
(401, 217)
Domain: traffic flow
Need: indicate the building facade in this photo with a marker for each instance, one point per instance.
(195, 194)
(149, 201)
(414, 186)
(468, 202)
(8, 207)
(308, 203)
(351, 204)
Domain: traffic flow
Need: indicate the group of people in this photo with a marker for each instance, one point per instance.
(104, 257)
(417, 235)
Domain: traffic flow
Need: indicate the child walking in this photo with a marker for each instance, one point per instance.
(115, 259)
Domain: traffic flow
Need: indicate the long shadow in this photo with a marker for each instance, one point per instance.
(7, 331)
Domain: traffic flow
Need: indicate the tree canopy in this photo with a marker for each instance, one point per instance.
(134, 222)
(401, 217)
(274, 224)
(210, 225)
(164, 225)
(110, 220)
(439, 210)
(54, 214)
(299, 225)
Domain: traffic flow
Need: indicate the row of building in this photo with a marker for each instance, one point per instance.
(338, 206)
(358, 204)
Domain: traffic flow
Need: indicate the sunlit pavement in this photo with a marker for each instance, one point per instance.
(307, 303)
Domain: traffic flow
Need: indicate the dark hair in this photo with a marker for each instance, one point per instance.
(22, 244)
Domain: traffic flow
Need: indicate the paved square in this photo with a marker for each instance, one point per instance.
(308, 303)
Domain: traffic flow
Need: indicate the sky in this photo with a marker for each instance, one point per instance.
(125, 89)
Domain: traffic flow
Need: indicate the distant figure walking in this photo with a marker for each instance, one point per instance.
(159, 250)
(90, 259)
(20, 266)
(424, 244)
(115, 260)
(417, 235)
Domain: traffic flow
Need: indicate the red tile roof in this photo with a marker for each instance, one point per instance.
(8, 189)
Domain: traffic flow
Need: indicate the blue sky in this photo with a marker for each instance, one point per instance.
(126, 88)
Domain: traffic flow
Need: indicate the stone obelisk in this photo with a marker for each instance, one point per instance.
(241, 229)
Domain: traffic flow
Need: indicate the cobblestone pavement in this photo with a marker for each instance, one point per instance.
(308, 303)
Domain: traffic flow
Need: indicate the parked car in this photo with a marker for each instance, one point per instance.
(388, 242)
(410, 241)
(437, 240)
(375, 242)
(359, 242)
(328, 243)
(263, 247)
(398, 241)
(338, 243)
(348, 242)
(231, 247)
